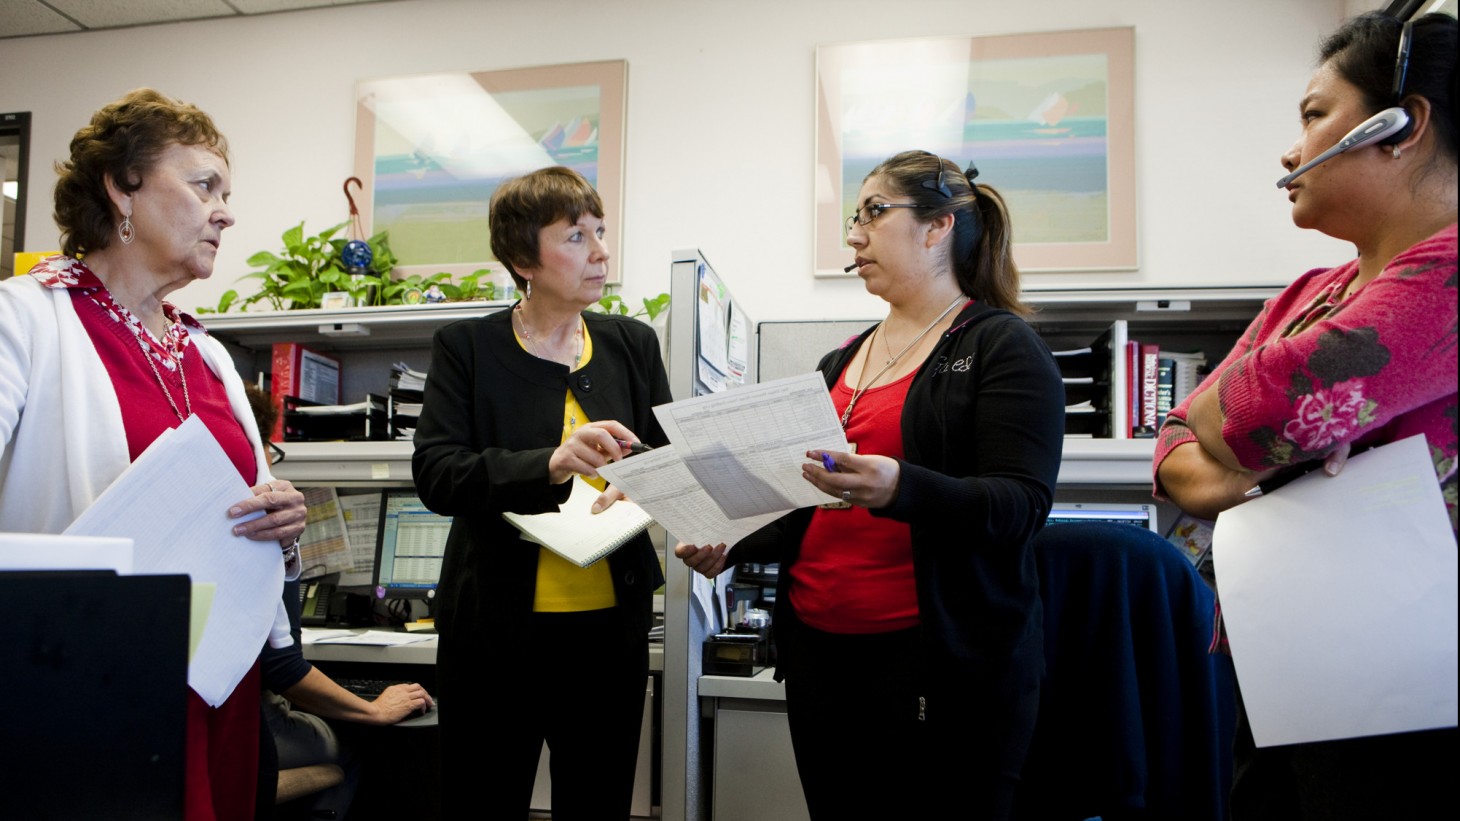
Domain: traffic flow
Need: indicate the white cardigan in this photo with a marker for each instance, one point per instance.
(60, 420)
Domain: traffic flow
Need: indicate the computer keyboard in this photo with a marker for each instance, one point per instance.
(367, 688)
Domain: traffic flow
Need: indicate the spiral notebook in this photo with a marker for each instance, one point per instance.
(579, 535)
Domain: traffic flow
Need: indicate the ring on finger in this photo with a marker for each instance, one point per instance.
(846, 496)
(270, 486)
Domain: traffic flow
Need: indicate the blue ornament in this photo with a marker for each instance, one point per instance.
(357, 256)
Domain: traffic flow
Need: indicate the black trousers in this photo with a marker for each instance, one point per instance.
(578, 685)
(1406, 775)
(875, 739)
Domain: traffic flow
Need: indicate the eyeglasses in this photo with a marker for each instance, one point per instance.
(873, 210)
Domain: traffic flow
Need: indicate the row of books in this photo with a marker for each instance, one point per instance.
(305, 385)
(1121, 388)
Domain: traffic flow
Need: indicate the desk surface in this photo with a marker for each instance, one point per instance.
(421, 652)
(761, 686)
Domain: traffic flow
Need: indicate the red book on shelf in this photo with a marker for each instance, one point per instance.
(1150, 365)
(305, 373)
(1133, 387)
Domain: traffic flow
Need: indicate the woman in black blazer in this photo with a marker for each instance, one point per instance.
(532, 647)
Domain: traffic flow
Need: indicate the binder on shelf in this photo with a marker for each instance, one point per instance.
(306, 421)
(303, 373)
(579, 535)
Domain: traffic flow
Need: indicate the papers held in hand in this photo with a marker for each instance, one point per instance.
(578, 534)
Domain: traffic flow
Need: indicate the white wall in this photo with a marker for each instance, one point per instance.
(721, 106)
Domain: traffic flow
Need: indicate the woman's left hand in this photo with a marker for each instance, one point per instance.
(285, 517)
(868, 481)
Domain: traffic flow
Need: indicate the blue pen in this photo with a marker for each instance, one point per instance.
(828, 462)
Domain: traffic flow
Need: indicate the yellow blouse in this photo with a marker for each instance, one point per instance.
(564, 587)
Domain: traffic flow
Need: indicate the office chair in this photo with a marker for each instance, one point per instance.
(1136, 717)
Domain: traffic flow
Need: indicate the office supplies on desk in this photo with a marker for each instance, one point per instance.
(578, 534)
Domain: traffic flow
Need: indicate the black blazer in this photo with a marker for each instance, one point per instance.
(491, 419)
(982, 431)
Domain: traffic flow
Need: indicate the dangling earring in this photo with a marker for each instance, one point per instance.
(529, 289)
(1395, 151)
(126, 231)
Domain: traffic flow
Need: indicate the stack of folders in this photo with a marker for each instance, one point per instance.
(313, 422)
(578, 534)
(407, 389)
(1086, 375)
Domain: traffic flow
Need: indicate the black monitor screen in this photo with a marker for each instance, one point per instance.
(409, 547)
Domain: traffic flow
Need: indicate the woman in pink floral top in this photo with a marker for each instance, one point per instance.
(1347, 357)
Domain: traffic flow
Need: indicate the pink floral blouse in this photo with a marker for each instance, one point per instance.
(1314, 371)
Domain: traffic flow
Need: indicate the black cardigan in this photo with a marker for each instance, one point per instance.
(492, 417)
(982, 430)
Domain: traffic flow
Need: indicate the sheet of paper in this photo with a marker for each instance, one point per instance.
(44, 551)
(202, 606)
(746, 446)
(1339, 595)
(314, 635)
(173, 503)
(659, 482)
(323, 547)
(361, 512)
(713, 337)
(382, 638)
(738, 352)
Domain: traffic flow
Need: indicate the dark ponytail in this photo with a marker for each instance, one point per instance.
(982, 245)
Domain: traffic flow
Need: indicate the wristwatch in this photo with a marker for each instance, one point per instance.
(292, 565)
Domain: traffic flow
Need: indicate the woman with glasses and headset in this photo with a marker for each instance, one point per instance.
(908, 621)
(1345, 358)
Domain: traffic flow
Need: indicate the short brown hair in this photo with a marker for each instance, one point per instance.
(981, 250)
(524, 206)
(122, 141)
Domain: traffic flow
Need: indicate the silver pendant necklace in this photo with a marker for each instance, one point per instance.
(863, 386)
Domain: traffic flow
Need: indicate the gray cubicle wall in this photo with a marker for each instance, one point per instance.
(788, 348)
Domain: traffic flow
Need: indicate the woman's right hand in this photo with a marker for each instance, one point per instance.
(589, 448)
(707, 561)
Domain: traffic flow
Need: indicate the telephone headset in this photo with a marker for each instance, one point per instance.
(1389, 127)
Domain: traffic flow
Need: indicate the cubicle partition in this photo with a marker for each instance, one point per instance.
(711, 348)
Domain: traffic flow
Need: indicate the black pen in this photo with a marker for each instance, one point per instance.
(633, 447)
(1283, 477)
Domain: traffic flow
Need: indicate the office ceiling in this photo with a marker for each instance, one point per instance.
(25, 18)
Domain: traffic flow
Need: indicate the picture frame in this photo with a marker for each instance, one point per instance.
(431, 149)
(1048, 119)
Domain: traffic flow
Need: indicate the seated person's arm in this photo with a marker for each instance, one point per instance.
(1200, 484)
(318, 694)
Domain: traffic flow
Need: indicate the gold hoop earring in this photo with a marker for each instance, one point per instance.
(126, 231)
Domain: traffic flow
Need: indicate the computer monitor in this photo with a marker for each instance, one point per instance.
(409, 547)
(1140, 515)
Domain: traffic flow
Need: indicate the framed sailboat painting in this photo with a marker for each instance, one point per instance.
(431, 149)
(1048, 119)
